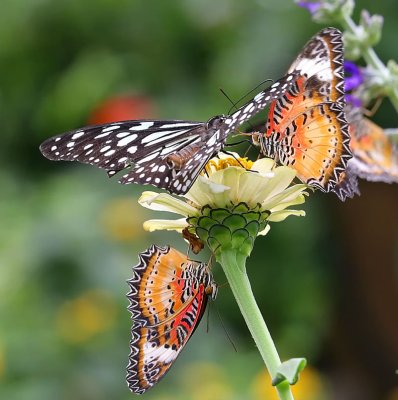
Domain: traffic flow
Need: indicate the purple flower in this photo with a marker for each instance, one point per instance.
(353, 100)
(311, 7)
(353, 76)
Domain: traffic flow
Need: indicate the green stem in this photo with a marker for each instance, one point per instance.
(234, 268)
(371, 58)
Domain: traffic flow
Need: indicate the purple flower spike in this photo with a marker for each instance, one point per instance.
(353, 76)
(311, 7)
(354, 101)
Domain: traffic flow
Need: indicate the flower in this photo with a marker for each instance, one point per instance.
(237, 198)
(353, 79)
(353, 76)
(311, 7)
(310, 386)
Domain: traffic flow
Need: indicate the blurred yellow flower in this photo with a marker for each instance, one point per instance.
(209, 379)
(393, 394)
(308, 387)
(122, 220)
(80, 319)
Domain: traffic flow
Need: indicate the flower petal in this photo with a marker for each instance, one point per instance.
(279, 216)
(265, 230)
(165, 202)
(165, 224)
(282, 179)
(285, 198)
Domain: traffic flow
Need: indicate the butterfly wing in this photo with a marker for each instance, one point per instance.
(318, 149)
(165, 154)
(375, 156)
(167, 299)
(116, 146)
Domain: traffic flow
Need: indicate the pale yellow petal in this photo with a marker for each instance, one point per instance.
(279, 216)
(287, 196)
(265, 230)
(264, 166)
(165, 202)
(165, 224)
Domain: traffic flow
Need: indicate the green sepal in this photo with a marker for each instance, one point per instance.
(222, 233)
(235, 222)
(289, 371)
(238, 238)
(219, 214)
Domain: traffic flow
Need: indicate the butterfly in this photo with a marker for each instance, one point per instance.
(306, 127)
(375, 157)
(168, 296)
(165, 154)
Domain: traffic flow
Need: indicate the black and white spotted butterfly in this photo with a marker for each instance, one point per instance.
(165, 154)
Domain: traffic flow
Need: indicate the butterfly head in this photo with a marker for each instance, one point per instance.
(215, 123)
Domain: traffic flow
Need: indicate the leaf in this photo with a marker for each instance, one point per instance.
(289, 370)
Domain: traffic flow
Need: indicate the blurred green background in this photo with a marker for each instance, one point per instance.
(326, 283)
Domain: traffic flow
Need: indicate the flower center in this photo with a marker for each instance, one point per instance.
(223, 163)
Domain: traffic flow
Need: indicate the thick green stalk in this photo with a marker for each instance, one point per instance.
(233, 264)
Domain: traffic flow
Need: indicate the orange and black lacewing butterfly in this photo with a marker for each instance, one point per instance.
(168, 296)
(375, 156)
(306, 127)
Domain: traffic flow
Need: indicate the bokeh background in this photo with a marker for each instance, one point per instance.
(326, 283)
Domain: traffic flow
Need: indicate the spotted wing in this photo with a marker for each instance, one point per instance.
(166, 154)
(375, 157)
(144, 144)
(168, 295)
(318, 93)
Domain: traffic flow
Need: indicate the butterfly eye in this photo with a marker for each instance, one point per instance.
(215, 122)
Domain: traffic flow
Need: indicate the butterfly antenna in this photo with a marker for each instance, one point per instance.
(225, 330)
(234, 104)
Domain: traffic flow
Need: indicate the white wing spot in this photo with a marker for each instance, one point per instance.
(121, 160)
(132, 149)
(105, 149)
(142, 126)
(87, 146)
(101, 135)
(110, 128)
(122, 134)
(77, 135)
(89, 152)
(109, 153)
(70, 144)
(57, 139)
(126, 140)
(162, 168)
(53, 148)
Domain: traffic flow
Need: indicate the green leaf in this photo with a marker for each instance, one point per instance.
(289, 371)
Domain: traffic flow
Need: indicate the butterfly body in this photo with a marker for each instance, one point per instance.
(168, 295)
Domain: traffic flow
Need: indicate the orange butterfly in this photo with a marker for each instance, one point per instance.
(168, 295)
(306, 127)
(375, 157)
